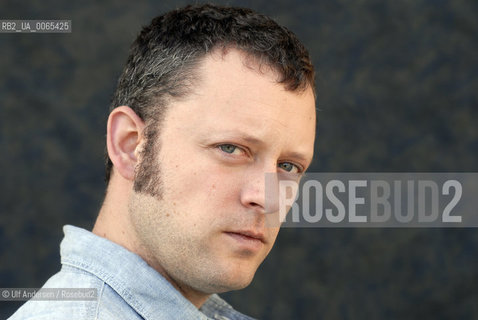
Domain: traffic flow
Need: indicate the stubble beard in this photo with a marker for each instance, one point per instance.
(148, 209)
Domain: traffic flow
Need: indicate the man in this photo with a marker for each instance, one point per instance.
(211, 99)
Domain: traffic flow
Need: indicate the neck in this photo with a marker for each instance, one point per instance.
(197, 298)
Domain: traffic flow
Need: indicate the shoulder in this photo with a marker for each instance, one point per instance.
(76, 295)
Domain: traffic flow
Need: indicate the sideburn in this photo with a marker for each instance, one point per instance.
(148, 173)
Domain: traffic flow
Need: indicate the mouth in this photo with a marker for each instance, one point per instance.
(247, 239)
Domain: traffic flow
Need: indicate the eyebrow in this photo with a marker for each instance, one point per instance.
(248, 138)
(251, 139)
(299, 156)
(238, 134)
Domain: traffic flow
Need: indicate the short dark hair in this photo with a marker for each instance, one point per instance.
(163, 60)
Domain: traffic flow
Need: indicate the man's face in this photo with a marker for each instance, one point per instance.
(207, 232)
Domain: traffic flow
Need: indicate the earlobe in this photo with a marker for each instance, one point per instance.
(124, 137)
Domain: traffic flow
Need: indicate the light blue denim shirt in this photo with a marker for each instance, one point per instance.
(127, 287)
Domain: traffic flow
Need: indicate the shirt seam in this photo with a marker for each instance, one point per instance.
(109, 280)
(100, 296)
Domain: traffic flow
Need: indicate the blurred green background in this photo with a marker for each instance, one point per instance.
(397, 89)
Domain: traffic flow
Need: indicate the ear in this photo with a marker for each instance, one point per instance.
(124, 137)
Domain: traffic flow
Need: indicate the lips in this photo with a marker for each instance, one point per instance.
(246, 240)
(249, 235)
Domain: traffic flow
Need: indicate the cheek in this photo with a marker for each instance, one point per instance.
(222, 191)
(203, 180)
(205, 194)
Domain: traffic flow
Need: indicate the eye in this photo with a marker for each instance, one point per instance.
(289, 167)
(230, 149)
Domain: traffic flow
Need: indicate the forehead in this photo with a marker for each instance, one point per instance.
(234, 93)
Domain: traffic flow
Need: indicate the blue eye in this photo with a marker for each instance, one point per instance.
(289, 167)
(228, 148)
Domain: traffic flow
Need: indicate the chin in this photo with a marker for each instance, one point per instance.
(233, 281)
(226, 287)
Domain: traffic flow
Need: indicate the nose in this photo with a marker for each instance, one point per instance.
(259, 190)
